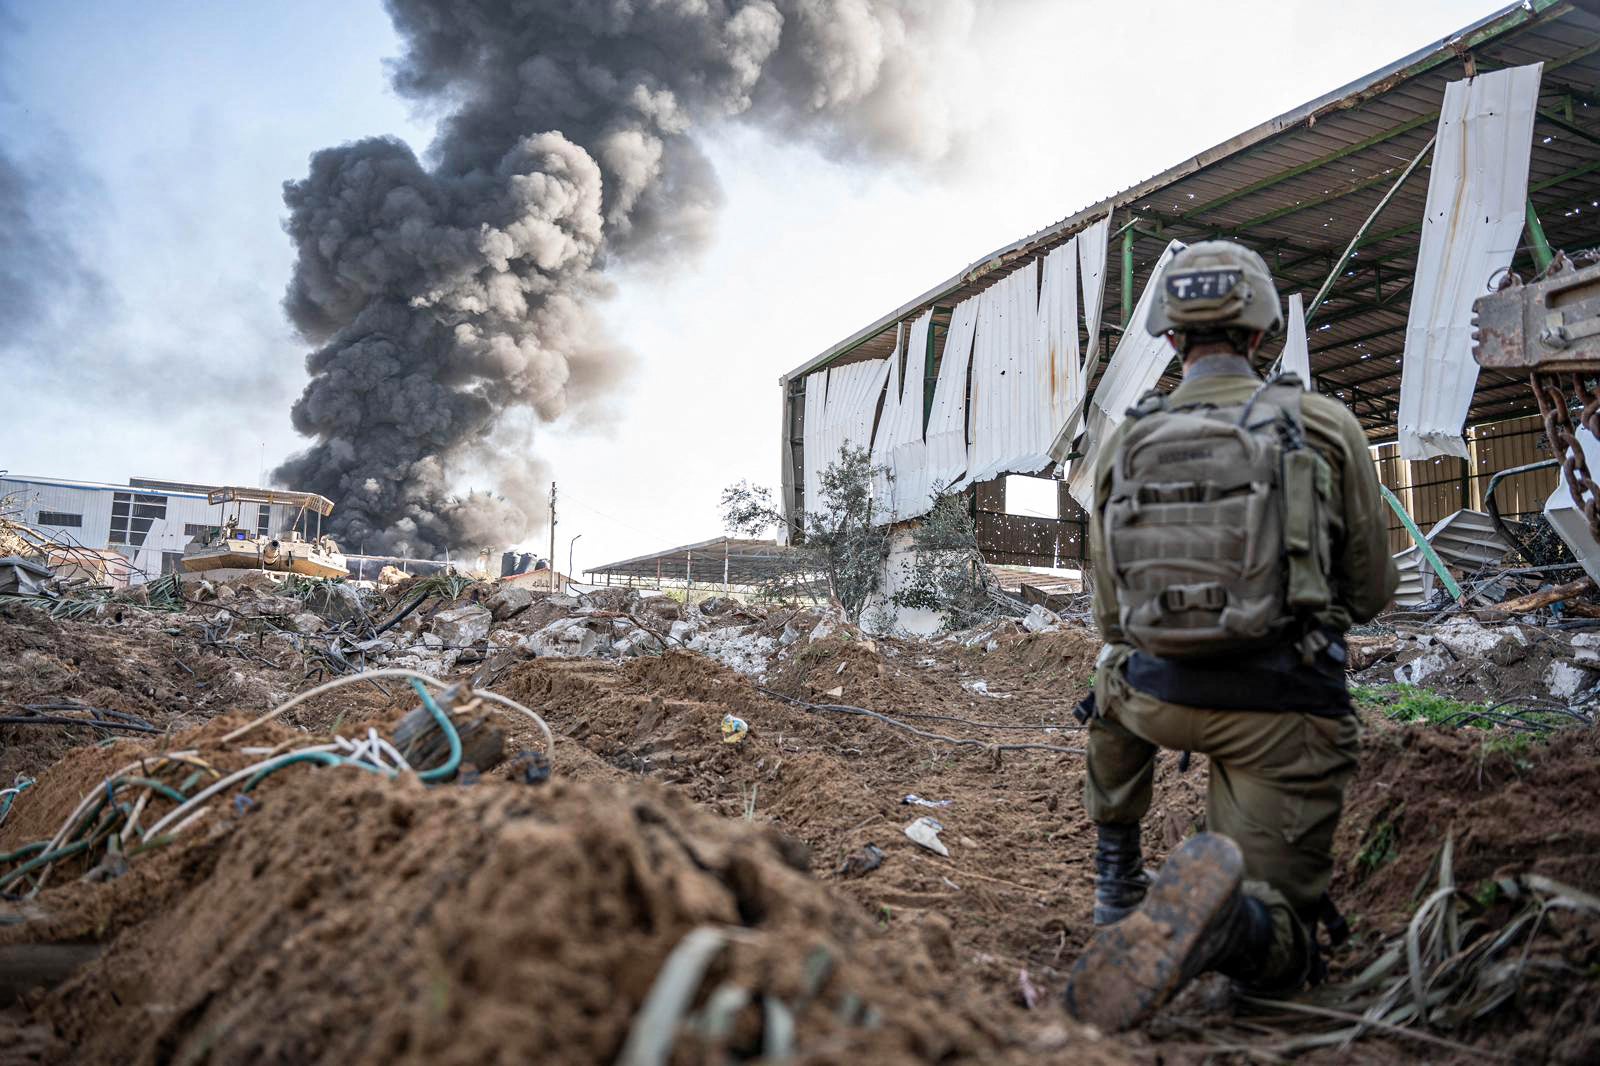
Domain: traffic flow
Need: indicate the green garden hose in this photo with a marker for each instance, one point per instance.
(453, 763)
(43, 860)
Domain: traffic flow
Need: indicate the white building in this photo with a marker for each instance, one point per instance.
(147, 521)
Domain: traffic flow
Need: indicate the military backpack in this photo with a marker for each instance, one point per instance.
(1216, 529)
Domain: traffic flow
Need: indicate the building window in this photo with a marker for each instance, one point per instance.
(196, 529)
(132, 514)
(263, 519)
(60, 518)
(170, 561)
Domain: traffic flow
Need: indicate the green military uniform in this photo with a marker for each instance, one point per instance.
(1277, 777)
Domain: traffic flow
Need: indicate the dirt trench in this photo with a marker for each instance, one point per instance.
(353, 920)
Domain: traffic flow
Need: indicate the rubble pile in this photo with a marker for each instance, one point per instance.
(884, 832)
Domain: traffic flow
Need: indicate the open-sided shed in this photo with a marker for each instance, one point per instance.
(1305, 189)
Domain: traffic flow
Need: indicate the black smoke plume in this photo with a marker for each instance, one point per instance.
(444, 295)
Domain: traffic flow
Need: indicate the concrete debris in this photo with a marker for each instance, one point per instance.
(736, 647)
(461, 627)
(308, 622)
(337, 602)
(1041, 619)
(1565, 679)
(508, 602)
(563, 638)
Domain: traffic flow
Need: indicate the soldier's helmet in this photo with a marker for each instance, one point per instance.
(1215, 286)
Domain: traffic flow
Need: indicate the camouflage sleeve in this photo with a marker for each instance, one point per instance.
(1106, 615)
(1365, 571)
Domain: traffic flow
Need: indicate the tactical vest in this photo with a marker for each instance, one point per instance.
(1216, 529)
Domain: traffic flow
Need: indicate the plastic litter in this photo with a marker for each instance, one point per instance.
(734, 729)
(914, 800)
(925, 831)
(862, 861)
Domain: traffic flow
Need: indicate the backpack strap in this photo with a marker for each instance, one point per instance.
(1148, 404)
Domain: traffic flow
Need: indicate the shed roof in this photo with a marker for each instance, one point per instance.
(1299, 187)
(749, 562)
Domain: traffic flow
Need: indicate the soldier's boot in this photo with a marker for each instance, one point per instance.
(1120, 880)
(1195, 918)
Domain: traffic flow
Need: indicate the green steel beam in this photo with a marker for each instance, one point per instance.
(1362, 339)
(1542, 255)
(1568, 125)
(1422, 543)
(1127, 276)
(1308, 167)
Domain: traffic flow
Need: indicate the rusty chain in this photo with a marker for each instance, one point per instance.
(1557, 413)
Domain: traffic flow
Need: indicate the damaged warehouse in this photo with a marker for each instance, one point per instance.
(998, 734)
(983, 373)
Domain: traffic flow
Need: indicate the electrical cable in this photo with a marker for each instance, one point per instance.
(440, 773)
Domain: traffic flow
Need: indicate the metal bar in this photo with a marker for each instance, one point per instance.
(1127, 276)
(1494, 512)
(1542, 255)
(1355, 242)
(1306, 168)
(1421, 542)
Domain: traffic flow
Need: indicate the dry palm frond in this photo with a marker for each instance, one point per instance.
(1451, 967)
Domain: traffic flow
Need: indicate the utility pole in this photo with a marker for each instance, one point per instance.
(554, 583)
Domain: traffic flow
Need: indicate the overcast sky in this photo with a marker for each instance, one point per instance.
(162, 133)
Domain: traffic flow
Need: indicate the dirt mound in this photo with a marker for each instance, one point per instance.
(148, 665)
(355, 920)
(1508, 810)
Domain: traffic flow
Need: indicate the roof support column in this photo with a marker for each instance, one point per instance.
(1127, 277)
(1542, 255)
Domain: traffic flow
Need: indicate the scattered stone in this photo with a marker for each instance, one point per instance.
(925, 832)
(461, 627)
(431, 642)
(308, 622)
(1422, 667)
(566, 638)
(508, 602)
(682, 631)
(1041, 620)
(337, 602)
(823, 630)
(1467, 640)
(1566, 679)
(862, 861)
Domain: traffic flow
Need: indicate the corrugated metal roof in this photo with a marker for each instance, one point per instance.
(1299, 187)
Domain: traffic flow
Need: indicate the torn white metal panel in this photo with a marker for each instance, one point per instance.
(1134, 369)
(853, 393)
(1059, 378)
(882, 472)
(1567, 516)
(1296, 348)
(898, 444)
(1477, 195)
(1007, 394)
(947, 420)
(813, 444)
(1092, 244)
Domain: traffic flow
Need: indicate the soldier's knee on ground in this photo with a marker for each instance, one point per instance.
(1291, 956)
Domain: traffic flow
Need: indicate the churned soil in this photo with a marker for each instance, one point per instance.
(343, 918)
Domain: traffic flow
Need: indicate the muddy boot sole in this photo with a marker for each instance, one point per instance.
(1132, 968)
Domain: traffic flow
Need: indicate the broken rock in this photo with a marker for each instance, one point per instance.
(461, 627)
(1468, 640)
(1040, 620)
(1565, 679)
(337, 602)
(508, 602)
